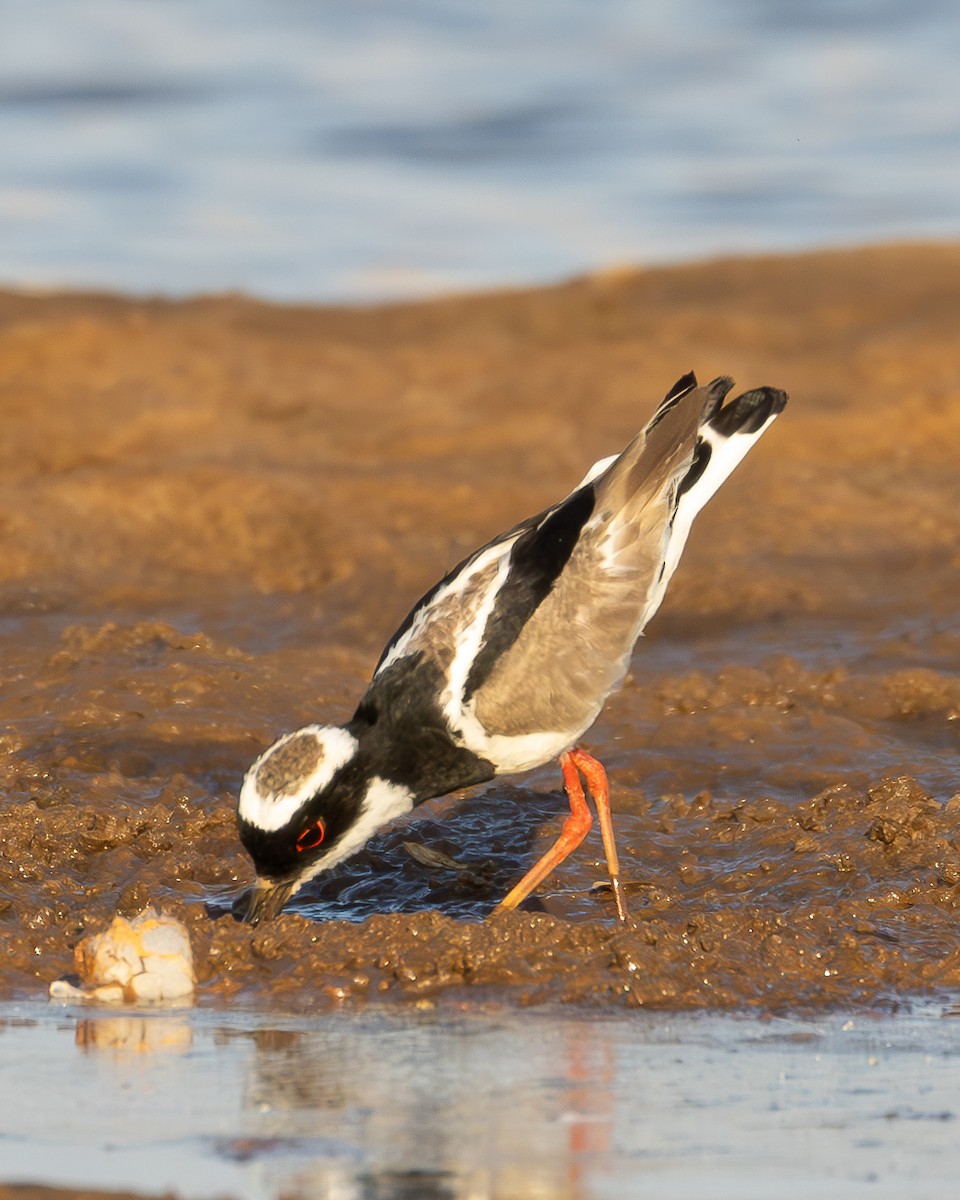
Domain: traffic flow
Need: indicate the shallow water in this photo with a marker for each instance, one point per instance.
(325, 152)
(479, 1104)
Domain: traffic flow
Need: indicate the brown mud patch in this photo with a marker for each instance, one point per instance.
(213, 514)
(34, 1191)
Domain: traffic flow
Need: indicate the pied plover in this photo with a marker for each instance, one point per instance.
(507, 662)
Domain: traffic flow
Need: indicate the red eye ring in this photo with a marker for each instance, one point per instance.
(312, 836)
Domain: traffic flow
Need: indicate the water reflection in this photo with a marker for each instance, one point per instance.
(476, 1119)
(135, 1035)
(497, 1105)
(395, 1185)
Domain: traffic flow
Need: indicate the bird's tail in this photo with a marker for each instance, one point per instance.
(724, 434)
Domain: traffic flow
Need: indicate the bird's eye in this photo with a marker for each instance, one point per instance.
(312, 836)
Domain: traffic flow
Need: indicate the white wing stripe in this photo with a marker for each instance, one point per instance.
(457, 585)
(726, 453)
(468, 645)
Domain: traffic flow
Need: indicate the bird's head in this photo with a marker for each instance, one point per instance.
(305, 804)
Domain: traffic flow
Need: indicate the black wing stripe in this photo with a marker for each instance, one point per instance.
(701, 460)
(536, 561)
(425, 600)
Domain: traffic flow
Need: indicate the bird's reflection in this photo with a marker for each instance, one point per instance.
(295, 1071)
(460, 1112)
(395, 1107)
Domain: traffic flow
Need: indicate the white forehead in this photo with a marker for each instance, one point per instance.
(292, 771)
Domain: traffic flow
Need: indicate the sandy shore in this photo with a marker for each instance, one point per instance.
(213, 514)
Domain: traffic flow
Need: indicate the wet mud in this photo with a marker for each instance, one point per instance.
(214, 513)
(32, 1191)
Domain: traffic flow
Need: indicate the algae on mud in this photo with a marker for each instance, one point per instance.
(213, 513)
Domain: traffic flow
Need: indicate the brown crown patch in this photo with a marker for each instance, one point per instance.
(284, 769)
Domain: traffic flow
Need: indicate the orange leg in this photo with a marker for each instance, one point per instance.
(575, 829)
(596, 777)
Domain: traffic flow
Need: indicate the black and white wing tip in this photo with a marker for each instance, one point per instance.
(749, 414)
(727, 432)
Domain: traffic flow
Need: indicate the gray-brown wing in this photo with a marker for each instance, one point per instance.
(574, 649)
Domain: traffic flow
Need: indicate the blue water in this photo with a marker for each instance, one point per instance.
(329, 150)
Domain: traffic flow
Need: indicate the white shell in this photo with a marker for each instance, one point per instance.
(148, 959)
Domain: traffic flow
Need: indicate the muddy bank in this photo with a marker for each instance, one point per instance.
(213, 514)
(849, 897)
(31, 1191)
